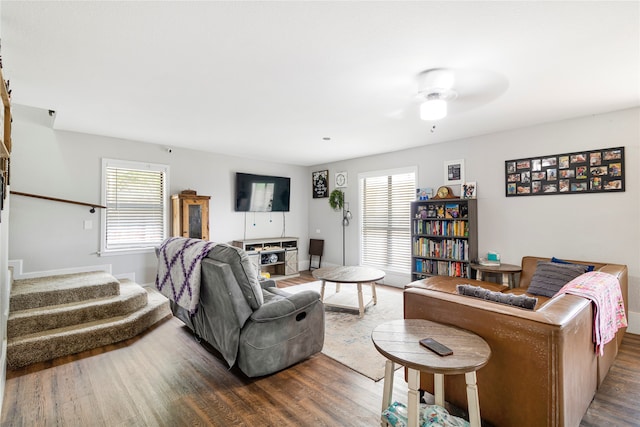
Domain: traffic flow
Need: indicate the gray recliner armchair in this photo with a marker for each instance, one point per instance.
(249, 321)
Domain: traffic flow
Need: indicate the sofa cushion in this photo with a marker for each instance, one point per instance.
(561, 261)
(549, 277)
(522, 301)
(243, 270)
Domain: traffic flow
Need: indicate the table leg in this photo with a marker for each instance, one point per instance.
(505, 280)
(413, 400)
(373, 293)
(438, 389)
(472, 399)
(387, 389)
(337, 287)
(360, 300)
(478, 275)
(322, 290)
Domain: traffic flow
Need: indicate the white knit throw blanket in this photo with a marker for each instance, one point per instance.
(178, 276)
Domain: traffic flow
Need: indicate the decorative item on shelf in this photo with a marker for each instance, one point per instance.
(492, 259)
(424, 193)
(269, 258)
(468, 190)
(444, 192)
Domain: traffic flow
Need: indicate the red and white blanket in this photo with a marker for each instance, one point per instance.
(178, 276)
(604, 290)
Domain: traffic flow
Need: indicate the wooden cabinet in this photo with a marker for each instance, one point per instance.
(5, 139)
(444, 237)
(276, 256)
(190, 215)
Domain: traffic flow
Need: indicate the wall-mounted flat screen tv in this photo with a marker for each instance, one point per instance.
(262, 193)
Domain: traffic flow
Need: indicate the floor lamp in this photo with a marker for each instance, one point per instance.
(346, 218)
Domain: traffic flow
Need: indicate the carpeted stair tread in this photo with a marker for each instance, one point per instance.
(23, 322)
(38, 347)
(61, 289)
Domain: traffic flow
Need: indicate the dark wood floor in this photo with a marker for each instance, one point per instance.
(164, 378)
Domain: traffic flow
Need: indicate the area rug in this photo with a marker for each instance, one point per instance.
(347, 337)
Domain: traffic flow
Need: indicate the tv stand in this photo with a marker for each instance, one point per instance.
(276, 256)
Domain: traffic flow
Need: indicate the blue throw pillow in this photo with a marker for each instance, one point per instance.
(561, 261)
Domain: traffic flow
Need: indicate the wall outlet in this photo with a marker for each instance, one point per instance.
(88, 224)
(317, 231)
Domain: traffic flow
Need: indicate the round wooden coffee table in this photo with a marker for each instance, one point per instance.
(399, 342)
(349, 274)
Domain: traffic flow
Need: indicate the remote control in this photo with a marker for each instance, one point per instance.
(436, 347)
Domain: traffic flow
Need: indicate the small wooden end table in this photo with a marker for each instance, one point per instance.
(349, 274)
(508, 272)
(399, 340)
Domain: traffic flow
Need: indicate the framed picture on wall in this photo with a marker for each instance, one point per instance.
(454, 172)
(589, 171)
(320, 184)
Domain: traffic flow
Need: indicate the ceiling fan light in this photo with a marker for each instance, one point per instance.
(433, 109)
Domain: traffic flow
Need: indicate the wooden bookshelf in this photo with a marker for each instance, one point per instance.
(444, 237)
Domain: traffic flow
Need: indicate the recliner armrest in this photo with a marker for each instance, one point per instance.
(267, 283)
(286, 306)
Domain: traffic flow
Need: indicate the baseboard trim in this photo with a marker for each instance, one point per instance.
(19, 274)
(3, 373)
(634, 322)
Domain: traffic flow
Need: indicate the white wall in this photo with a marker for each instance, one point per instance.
(597, 227)
(49, 235)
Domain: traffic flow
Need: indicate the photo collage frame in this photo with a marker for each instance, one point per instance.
(593, 171)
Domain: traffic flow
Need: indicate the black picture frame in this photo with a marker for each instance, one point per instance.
(320, 184)
(589, 171)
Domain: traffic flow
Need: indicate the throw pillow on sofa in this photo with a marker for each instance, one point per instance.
(522, 301)
(561, 261)
(549, 277)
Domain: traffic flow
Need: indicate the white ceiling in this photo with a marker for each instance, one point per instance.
(269, 80)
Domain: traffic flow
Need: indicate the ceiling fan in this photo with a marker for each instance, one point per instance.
(441, 90)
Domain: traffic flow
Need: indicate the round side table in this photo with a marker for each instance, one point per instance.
(398, 341)
(508, 272)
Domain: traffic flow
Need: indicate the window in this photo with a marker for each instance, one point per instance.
(385, 206)
(135, 195)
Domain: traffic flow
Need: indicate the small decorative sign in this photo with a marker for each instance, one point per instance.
(320, 184)
(594, 171)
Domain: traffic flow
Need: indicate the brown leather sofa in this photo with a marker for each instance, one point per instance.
(543, 369)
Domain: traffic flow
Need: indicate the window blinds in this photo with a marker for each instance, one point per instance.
(386, 223)
(135, 214)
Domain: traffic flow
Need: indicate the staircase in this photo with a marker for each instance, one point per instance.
(60, 315)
